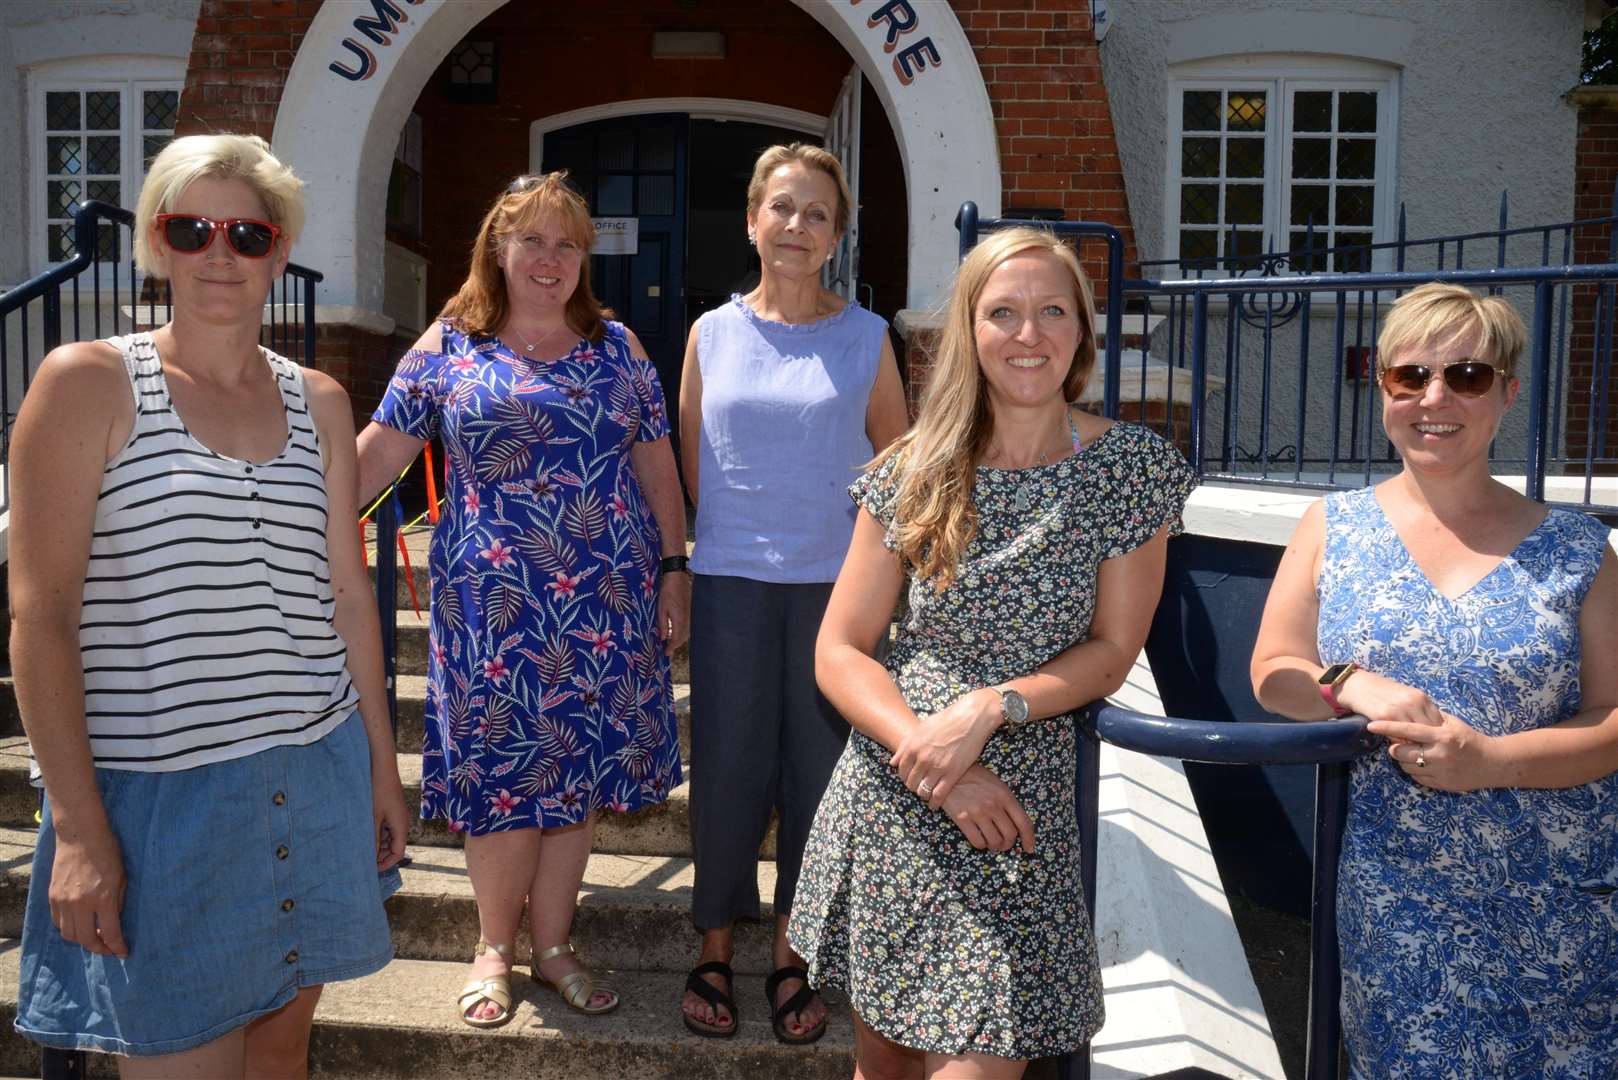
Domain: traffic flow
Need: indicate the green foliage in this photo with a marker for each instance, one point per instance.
(1600, 66)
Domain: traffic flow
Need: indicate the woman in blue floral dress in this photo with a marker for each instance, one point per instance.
(1477, 631)
(558, 583)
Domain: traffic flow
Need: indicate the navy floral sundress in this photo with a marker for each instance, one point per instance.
(1478, 931)
(548, 692)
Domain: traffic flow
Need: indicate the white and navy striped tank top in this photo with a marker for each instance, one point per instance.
(207, 624)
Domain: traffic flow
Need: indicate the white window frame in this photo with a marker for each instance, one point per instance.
(1279, 76)
(134, 75)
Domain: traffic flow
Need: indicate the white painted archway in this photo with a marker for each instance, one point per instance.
(339, 131)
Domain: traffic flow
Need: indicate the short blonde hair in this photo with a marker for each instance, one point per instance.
(1438, 313)
(481, 305)
(935, 519)
(809, 156)
(222, 157)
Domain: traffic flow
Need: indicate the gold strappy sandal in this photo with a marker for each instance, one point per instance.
(495, 988)
(576, 989)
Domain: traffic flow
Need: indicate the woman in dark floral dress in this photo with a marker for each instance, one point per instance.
(548, 695)
(941, 883)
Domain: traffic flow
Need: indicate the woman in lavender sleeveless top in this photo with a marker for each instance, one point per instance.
(786, 393)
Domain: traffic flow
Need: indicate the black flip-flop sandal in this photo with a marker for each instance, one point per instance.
(707, 991)
(793, 1004)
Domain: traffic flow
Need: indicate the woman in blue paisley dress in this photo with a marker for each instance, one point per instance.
(1477, 631)
(941, 883)
(549, 696)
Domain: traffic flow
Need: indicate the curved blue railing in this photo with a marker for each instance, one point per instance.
(1329, 745)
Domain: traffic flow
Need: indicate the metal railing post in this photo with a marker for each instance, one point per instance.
(1199, 376)
(966, 221)
(387, 585)
(1325, 1035)
(1539, 395)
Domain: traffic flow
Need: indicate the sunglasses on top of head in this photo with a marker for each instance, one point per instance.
(191, 233)
(1468, 378)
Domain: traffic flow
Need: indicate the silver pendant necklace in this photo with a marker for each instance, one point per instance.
(1024, 498)
(529, 346)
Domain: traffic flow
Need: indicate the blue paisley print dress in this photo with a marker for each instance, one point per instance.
(1479, 932)
(548, 692)
(943, 947)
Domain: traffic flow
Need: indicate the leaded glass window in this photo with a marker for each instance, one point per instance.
(1256, 164)
(96, 142)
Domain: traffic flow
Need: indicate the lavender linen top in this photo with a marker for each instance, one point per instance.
(783, 435)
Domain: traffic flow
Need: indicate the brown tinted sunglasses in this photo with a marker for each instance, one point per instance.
(1468, 378)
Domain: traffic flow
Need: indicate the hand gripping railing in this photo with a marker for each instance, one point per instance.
(1329, 745)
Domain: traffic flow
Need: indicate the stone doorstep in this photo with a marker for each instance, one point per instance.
(411, 701)
(401, 1022)
(634, 911)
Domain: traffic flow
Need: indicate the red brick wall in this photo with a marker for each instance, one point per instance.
(240, 55)
(1042, 68)
(1595, 173)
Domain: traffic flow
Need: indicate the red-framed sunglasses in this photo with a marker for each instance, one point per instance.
(191, 233)
(1468, 378)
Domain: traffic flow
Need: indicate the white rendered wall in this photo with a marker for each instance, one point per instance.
(34, 34)
(1480, 94)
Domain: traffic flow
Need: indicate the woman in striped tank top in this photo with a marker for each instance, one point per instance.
(198, 661)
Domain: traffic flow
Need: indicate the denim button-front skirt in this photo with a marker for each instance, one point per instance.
(248, 879)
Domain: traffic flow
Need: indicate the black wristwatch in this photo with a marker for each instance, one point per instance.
(672, 563)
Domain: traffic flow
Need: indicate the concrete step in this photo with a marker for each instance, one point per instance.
(656, 830)
(401, 1022)
(634, 910)
(411, 700)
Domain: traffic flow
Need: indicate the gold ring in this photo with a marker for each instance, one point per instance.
(924, 789)
(1421, 760)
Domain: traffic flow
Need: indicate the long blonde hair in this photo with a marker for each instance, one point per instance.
(934, 519)
(481, 306)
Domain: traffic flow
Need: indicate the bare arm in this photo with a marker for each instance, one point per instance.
(654, 470)
(383, 451)
(887, 416)
(938, 750)
(856, 619)
(1286, 666)
(355, 616)
(859, 687)
(76, 415)
(690, 415)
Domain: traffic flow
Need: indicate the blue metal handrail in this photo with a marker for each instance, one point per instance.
(296, 287)
(1329, 745)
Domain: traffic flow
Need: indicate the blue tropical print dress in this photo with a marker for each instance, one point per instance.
(1478, 931)
(548, 691)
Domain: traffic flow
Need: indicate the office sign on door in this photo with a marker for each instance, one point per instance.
(616, 235)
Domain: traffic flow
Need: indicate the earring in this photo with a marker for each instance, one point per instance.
(752, 239)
